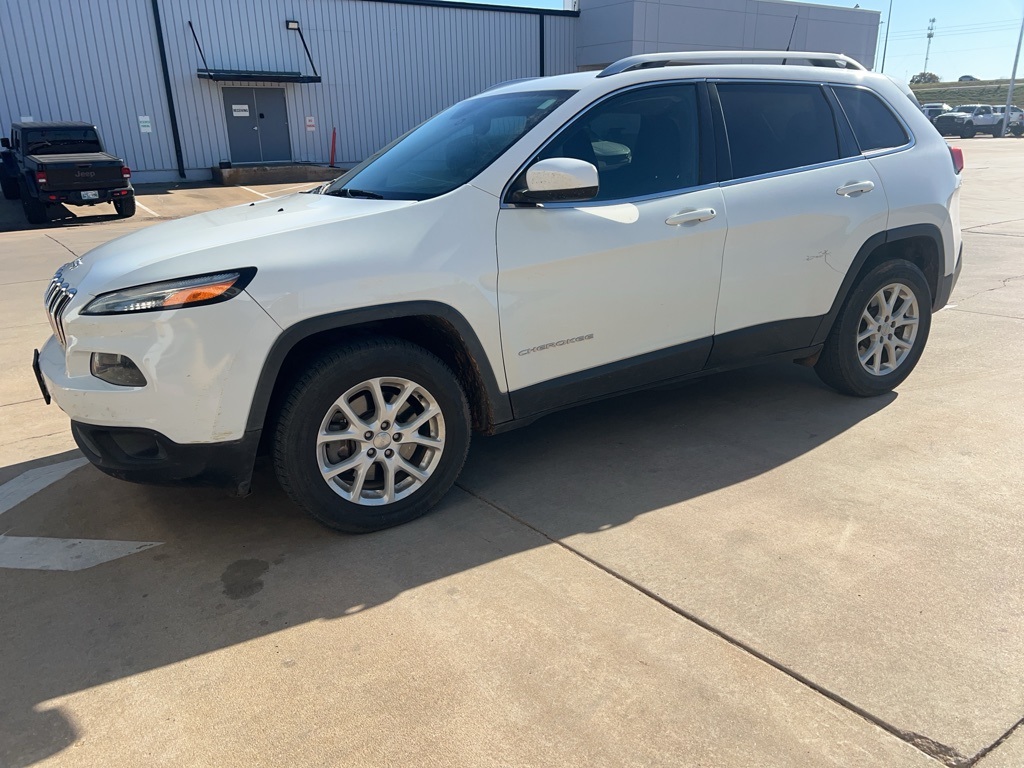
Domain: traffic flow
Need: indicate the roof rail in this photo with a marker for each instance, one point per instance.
(652, 60)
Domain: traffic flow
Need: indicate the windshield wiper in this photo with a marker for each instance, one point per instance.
(347, 192)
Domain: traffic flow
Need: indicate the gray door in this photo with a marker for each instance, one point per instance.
(257, 125)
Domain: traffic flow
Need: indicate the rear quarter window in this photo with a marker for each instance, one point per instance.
(873, 123)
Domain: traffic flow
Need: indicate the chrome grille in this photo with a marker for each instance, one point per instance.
(58, 296)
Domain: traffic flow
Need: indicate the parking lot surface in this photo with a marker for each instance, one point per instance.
(750, 570)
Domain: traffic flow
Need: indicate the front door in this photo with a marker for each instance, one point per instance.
(617, 292)
(257, 120)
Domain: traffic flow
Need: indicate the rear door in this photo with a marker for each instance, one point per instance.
(600, 296)
(799, 208)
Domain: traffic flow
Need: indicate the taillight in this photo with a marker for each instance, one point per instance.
(40, 177)
(958, 158)
(126, 171)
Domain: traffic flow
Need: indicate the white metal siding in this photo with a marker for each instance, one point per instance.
(94, 61)
(385, 66)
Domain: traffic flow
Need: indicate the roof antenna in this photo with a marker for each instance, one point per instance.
(792, 32)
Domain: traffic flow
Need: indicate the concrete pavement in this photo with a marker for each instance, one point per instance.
(746, 571)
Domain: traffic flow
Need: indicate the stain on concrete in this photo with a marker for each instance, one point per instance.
(242, 579)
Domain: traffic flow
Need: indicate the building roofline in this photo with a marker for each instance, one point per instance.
(482, 7)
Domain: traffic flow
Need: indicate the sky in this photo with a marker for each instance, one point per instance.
(971, 37)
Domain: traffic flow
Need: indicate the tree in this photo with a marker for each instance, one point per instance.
(924, 77)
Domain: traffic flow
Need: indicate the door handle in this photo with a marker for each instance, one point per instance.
(855, 188)
(685, 217)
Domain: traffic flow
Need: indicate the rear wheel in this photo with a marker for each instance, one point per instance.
(125, 206)
(35, 210)
(10, 188)
(880, 333)
(372, 435)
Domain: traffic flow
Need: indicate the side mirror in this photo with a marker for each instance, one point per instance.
(559, 180)
(5, 143)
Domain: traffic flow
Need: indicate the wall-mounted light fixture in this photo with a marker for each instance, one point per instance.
(293, 26)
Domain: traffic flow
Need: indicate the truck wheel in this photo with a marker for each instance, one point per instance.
(372, 435)
(10, 188)
(35, 210)
(968, 131)
(125, 207)
(1017, 130)
(880, 332)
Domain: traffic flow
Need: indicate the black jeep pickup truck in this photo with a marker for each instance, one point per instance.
(62, 163)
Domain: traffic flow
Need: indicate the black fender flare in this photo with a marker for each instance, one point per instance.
(870, 246)
(499, 402)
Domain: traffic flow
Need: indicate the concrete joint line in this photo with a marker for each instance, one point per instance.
(944, 754)
(58, 242)
(1005, 281)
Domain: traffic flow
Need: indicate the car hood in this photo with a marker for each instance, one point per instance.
(212, 241)
(956, 114)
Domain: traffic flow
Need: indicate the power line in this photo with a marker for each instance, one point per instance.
(1012, 22)
(957, 34)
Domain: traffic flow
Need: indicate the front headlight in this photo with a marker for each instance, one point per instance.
(172, 294)
(959, 119)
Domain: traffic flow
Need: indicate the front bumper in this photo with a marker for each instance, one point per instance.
(146, 456)
(201, 366)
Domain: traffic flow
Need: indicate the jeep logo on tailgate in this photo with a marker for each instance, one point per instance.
(84, 174)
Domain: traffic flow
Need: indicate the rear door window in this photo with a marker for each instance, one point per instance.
(874, 124)
(777, 127)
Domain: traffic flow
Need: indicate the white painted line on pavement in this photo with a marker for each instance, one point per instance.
(247, 189)
(35, 553)
(150, 211)
(15, 491)
(308, 185)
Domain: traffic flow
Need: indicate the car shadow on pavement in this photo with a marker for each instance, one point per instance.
(13, 220)
(232, 570)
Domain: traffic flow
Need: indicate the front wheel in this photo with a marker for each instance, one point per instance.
(969, 131)
(880, 333)
(372, 435)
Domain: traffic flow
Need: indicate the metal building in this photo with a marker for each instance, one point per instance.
(178, 87)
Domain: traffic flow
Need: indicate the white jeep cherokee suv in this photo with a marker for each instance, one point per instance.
(546, 243)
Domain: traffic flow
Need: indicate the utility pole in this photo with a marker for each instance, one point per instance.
(885, 46)
(928, 50)
(1013, 78)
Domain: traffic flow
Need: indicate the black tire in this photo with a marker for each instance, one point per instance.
(35, 210)
(969, 131)
(125, 206)
(10, 188)
(1017, 130)
(839, 365)
(310, 399)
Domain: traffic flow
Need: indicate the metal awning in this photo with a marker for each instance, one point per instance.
(255, 76)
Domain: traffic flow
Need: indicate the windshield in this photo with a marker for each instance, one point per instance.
(449, 149)
(965, 108)
(60, 141)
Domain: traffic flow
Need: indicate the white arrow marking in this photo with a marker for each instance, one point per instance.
(39, 554)
(43, 554)
(27, 484)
